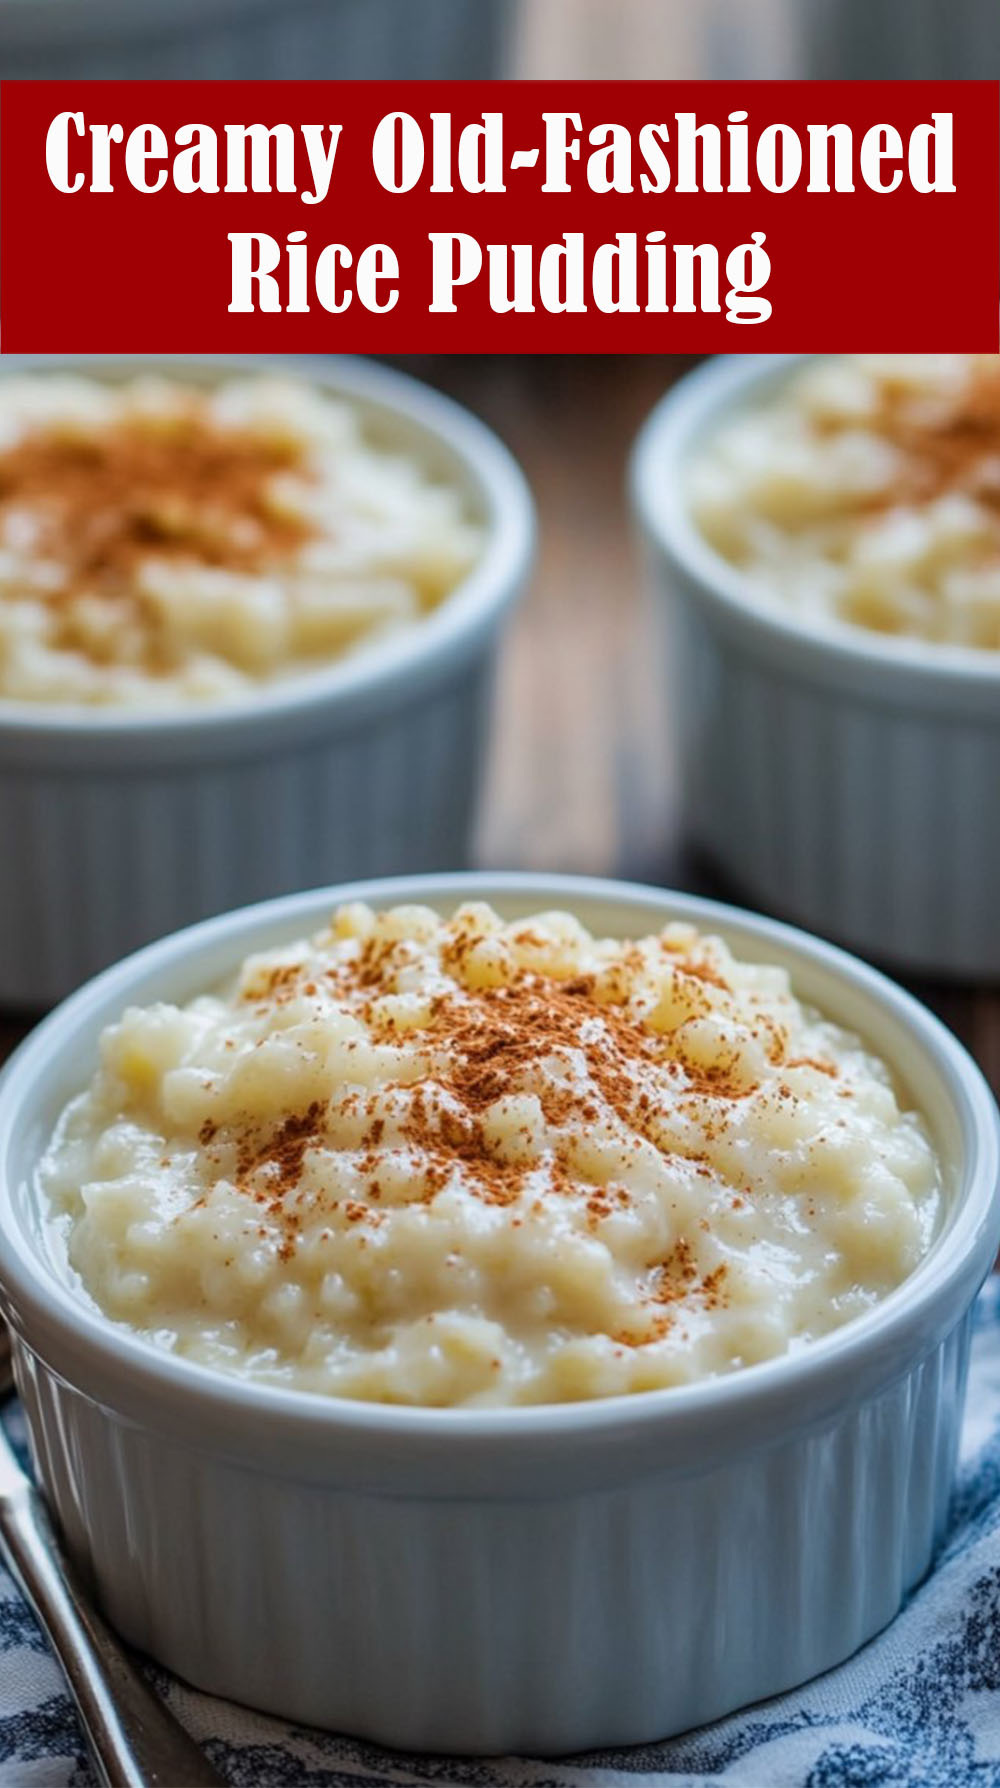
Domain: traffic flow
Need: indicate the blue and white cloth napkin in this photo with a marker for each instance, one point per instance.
(917, 1708)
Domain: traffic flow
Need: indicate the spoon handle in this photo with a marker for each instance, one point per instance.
(136, 1742)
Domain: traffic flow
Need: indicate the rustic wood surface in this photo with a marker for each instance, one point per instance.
(581, 777)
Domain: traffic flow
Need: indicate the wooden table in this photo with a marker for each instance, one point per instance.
(581, 777)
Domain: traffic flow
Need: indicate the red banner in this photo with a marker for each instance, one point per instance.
(499, 216)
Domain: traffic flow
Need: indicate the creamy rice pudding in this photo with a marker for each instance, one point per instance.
(462, 1161)
(868, 489)
(163, 543)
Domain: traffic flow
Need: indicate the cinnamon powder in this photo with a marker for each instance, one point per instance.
(946, 444)
(184, 489)
(558, 1040)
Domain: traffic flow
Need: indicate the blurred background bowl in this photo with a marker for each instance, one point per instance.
(839, 777)
(120, 825)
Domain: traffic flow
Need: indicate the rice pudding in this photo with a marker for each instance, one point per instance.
(867, 489)
(459, 1161)
(163, 543)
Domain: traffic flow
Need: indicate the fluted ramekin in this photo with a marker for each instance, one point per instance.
(119, 827)
(531, 1579)
(844, 779)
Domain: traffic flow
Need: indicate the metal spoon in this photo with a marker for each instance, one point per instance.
(135, 1742)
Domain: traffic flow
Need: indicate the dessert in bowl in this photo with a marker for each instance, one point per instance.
(248, 621)
(520, 1272)
(453, 1161)
(825, 534)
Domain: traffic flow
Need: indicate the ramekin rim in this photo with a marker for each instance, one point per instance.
(488, 587)
(657, 491)
(32, 1285)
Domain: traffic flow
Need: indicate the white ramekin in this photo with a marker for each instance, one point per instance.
(119, 827)
(541, 1579)
(841, 778)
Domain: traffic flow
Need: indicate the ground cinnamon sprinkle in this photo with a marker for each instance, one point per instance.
(283, 1151)
(188, 486)
(569, 1042)
(946, 443)
(187, 489)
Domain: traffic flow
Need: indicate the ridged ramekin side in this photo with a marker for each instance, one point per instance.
(534, 1624)
(856, 816)
(98, 861)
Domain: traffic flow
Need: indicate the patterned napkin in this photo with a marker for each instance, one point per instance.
(917, 1708)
